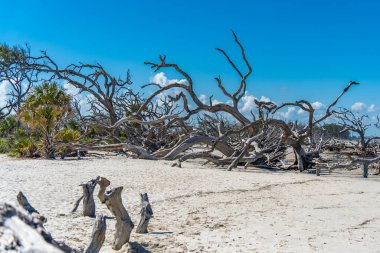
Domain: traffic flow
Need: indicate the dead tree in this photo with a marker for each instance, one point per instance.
(100, 87)
(146, 213)
(290, 137)
(356, 123)
(365, 163)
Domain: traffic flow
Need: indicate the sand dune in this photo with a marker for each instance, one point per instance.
(207, 210)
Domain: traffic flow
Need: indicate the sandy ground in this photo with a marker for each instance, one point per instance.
(207, 210)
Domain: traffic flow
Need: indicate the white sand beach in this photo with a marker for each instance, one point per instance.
(200, 209)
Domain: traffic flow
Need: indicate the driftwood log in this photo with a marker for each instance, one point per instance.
(24, 203)
(98, 235)
(221, 146)
(365, 164)
(146, 214)
(124, 224)
(139, 151)
(21, 232)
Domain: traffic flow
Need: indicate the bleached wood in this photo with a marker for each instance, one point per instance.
(24, 203)
(146, 213)
(124, 224)
(98, 235)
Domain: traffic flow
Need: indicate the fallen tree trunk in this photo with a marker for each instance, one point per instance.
(221, 146)
(199, 155)
(19, 232)
(247, 160)
(146, 214)
(139, 151)
(365, 164)
(164, 151)
(124, 224)
(24, 203)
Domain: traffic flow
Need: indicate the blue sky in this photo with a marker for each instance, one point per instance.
(298, 49)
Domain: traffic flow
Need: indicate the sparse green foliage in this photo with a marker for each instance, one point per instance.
(45, 111)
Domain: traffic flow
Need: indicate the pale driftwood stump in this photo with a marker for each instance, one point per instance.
(103, 184)
(98, 235)
(24, 203)
(146, 214)
(124, 224)
(88, 197)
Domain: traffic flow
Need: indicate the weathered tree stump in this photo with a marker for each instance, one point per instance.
(124, 224)
(88, 197)
(24, 203)
(103, 184)
(365, 166)
(98, 235)
(146, 214)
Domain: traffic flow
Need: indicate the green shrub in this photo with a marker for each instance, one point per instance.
(4, 146)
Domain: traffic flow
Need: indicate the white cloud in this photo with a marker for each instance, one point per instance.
(215, 102)
(161, 79)
(71, 89)
(248, 103)
(372, 108)
(3, 93)
(289, 113)
(264, 99)
(300, 111)
(318, 105)
(358, 106)
(203, 98)
(82, 98)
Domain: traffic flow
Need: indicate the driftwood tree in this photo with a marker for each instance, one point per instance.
(296, 137)
(101, 88)
(292, 137)
(359, 124)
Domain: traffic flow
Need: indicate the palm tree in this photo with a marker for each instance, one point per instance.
(44, 112)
